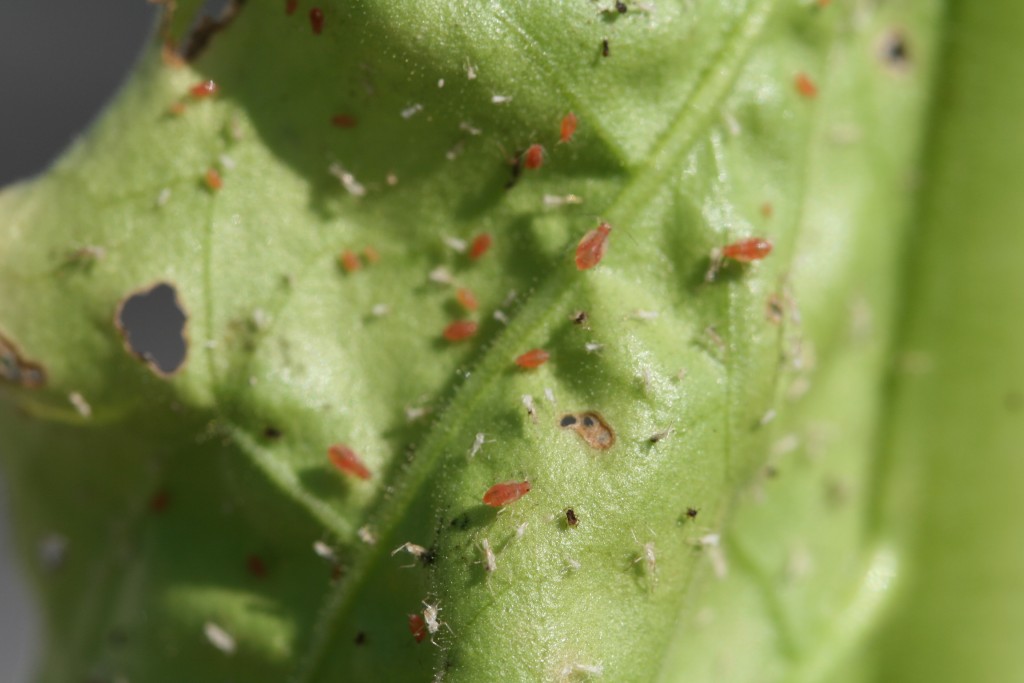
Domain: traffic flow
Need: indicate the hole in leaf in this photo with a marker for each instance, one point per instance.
(152, 323)
(14, 368)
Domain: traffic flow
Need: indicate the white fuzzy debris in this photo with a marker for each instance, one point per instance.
(500, 316)
(554, 200)
(380, 310)
(163, 197)
(593, 347)
(787, 444)
(411, 111)
(550, 396)
(347, 180)
(470, 71)
(219, 638)
(391, 179)
(572, 565)
(478, 442)
(413, 413)
(570, 670)
(80, 404)
(767, 418)
(324, 551)
(521, 529)
(510, 298)
(455, 244)
(500, 99)
(489, 562)
(52, 551)
(531, 410)
(227, 162)
(441, 276)
(709, 541)
(469, 128)
(367, 535)
(260, 319)
(440, 83)
(641, 314)
(649, 557)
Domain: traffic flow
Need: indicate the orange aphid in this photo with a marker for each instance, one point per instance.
(481, 243)
(343, 121)
(176, 108)
(466, 299)
(505, 493)
(591, 248)
(745, 251)
(371, 254)
(349, 261)
(460, 330)
(569, 122)
(346, 460)
(213, 179)
(805, 86)
(533, 359)
(767, 209)
(417, 627)
(533, 157)
(204, 89)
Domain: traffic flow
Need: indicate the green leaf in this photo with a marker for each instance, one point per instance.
(179, 511)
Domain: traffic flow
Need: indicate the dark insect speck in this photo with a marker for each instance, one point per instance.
(692, 513)
(361, 638)
(570, 517)
(605, 48)
(620, 7)
(272, 433)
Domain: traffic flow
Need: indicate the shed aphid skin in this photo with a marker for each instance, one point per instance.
(478, 442)
(411, 111)
(441, 276)
(500, 99)
(430, 616)
(649, 557)
(550, 396)
(661, 436)
(591, 248)
(324, 551)
(163, 197)
(505, 493)
(533, 157)
(227, 162)
(490, 565)
(413, 413)
(572, 671)
(554, 200)
(500, 316)
(316, 20)
(805, 86)
(347, 180)
(568, 128)
(417, 627)
(643, 315)
(531, 409)
(380, 310)
(532, 359)
(219, 638)
(204, 89)
(455, 244)
(424, 555)
(460, 330)
(346, 460)
(591, 427)
(80, 404)
(367, 535)
(593, 347)
(470, 71)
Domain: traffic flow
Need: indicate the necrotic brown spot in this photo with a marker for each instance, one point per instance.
(14, 368)
(152, 323)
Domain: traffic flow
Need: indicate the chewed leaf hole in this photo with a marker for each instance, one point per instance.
(152, 323)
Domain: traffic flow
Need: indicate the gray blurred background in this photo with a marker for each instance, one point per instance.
(60, 60)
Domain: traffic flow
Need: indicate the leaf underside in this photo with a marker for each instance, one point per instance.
(191, 499)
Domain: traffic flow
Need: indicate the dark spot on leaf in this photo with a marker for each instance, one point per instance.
(271, 433)
(159, 501)
(606, 49)
(568, 420)
(256, 567)
(894, 50)
(461, 522)
(152, 323)
(360, 638)
(206, 27)
(15, 369)
(588, 421)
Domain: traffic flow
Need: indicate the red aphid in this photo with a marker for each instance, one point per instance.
(417, 628)
(569, 122)
(466, 299)
(591, 248)
(316, 20)
(805, 86)
(346, 460)
(533, 359)
(745, 251)
(255, 565)
(204, 89)
(349, 261)
(481, 243)
(343, 121)
(505, 493)
(290, 6)
(460, 330)
(159, 501)
(213, 179)
(533, 157)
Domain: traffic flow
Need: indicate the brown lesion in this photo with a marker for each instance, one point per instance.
(591, 427)
(192, 45)
(16, 369)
